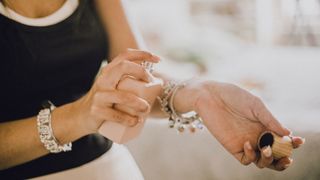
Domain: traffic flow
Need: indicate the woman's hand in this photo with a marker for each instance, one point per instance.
(98, 104)
(236, 118)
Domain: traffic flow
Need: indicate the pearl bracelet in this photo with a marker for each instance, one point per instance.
(46, 133)
(176, 120)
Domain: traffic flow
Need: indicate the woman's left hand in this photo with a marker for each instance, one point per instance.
(236, 118)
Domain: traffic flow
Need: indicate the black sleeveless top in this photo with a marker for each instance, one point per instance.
(56, 63)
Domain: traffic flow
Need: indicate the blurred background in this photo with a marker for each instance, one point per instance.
(270, 47)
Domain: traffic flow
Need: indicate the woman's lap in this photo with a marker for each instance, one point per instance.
(116, 164)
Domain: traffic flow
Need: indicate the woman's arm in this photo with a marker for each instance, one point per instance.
(20, 142)
(19, 139)
(205, 97)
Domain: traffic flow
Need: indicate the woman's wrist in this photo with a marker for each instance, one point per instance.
(186, 97)
(67, 127)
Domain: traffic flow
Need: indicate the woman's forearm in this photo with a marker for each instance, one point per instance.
(20, 142)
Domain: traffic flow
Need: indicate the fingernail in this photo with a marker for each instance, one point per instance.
(248, 145)
(303, 140)
(267, 151)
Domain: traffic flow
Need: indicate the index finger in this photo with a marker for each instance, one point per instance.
(110, 78)
(137, 56)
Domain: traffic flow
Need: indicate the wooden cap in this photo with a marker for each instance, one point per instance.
(280, 146)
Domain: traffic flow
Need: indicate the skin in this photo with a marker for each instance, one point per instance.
(237, 118)
(233, 116)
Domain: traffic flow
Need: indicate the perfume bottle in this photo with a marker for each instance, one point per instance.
(149, 91)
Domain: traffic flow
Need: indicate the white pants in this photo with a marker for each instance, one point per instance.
(115, 164)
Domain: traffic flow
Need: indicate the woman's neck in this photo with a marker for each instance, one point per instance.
(34, 8)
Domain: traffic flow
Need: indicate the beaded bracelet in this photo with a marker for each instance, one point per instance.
(176, 120)
(46, 133)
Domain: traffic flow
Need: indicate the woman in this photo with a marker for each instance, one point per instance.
(52, 50)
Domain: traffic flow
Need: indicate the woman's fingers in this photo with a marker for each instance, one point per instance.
(104, 96)
(249, 154)
(266, 158)
(267, 119)
(281, 164)
(131, 69)
(297, 141)
(136, 105)
(129, 110)
(137, 56)
(110, 114)
(111, 76)
(124, 65)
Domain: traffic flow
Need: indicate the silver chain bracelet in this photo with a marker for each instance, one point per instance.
(148, 66)
(46, 133)
(176, 120)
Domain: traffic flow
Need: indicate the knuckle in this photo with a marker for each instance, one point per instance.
(123, 65)
(104, 83)
(117, 117)
(139, 104)
(144, 108)
(97, 96)
(94, 110)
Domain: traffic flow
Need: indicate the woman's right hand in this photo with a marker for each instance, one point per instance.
(98, 104)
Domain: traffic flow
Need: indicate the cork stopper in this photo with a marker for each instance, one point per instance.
(280, 146)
